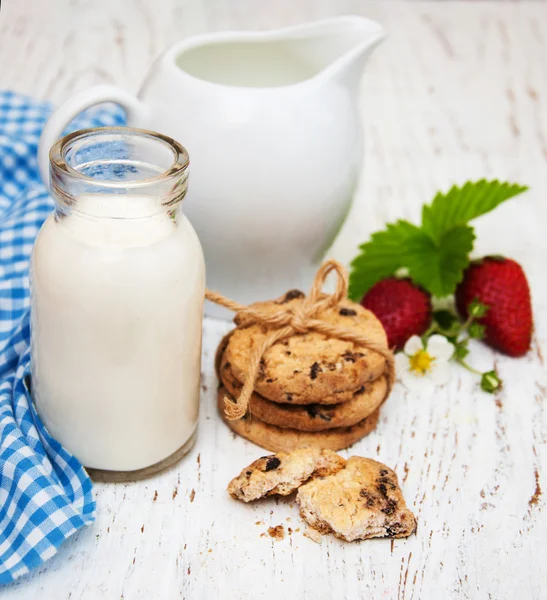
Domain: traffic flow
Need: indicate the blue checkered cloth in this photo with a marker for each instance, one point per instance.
(45, 494)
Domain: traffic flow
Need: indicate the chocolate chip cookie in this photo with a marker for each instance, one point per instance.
(361, 501)
(281, 474)
(278, 439)
(308, 368)
(314, 417)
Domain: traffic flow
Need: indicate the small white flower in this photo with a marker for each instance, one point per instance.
(418, 364)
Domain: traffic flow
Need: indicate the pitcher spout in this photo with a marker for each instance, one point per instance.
(342, 45)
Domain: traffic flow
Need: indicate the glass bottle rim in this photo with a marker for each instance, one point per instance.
(59, 165)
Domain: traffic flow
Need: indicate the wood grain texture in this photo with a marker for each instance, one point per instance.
(458, 91)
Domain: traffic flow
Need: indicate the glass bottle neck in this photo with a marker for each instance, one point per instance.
(117, 173)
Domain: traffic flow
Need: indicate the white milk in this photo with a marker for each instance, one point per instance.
(116, 331)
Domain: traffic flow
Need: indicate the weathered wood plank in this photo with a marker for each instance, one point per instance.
(459, 91)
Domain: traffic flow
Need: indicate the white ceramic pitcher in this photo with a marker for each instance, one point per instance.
(272, 124)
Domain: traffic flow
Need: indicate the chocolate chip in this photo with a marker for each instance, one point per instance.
(296, 371)
(348, 312)
(226, 365)
(348, 356)
(269, 380)
(386, 481)
(390, 508)
(315, 369)
(368, 497)
(311, 409)
(291, 295)
(393, 530)
(359, 391)
(288, 352)
(288, 397)
(273, 463)
(248, 473)
(383, 473)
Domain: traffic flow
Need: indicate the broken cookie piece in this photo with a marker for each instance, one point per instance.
(313, 535)
(283, 473)
(361, 501)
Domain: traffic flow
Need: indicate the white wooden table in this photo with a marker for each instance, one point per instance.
(459, 91)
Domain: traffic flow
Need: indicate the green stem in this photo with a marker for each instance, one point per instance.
(467, 366)
(433, 329)
(467, 323)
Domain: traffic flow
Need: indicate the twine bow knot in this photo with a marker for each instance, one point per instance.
(297, 318)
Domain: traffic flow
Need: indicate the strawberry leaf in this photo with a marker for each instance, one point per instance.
(380, 257)
(463, 204)
(435, 254)
(438, 266)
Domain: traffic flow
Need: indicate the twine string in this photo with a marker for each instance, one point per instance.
(286, 321)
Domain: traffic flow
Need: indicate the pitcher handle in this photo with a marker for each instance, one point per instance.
(61, 117)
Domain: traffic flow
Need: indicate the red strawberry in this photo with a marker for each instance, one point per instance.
(403, 308)
(500, 284)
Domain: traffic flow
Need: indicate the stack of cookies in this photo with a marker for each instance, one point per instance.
(311, 390)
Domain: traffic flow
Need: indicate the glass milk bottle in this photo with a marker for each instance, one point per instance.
(117, 289)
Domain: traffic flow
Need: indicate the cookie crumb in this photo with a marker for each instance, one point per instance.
(313, 535)
(277, 532)
(192, 495)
